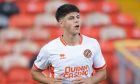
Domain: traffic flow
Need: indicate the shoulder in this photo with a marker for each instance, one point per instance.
(52, 44)
(92, 42)
(89, 40)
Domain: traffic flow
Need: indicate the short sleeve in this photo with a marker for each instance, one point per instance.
(42, 60)
(98, 59)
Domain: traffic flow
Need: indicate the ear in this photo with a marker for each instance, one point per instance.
(60, 22)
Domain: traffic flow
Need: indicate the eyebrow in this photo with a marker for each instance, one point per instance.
(73, 16)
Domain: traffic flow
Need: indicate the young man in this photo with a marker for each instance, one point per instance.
(72, 57)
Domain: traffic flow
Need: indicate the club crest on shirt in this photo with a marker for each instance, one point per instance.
(87, 53)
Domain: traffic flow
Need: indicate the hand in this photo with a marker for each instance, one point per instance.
(55, 81)
(82, 80)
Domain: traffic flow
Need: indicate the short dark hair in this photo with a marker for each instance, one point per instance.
(65, 9)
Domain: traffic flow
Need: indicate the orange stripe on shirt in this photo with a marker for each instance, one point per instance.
(52, 70)
(63, 41)
(100, 68)
(37, 68)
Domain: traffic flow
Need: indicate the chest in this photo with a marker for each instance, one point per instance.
(72, 56)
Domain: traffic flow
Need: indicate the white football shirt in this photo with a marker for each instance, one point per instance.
(71, 61)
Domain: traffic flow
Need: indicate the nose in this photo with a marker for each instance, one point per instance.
(76, 20)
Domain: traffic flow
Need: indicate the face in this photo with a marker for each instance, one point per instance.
(71, 23)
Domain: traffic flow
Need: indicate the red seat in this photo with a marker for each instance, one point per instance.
(117, 33)
(108, 49)
(96, 19)
(123, 20)
(39, 36)
(5, 49)
(54, 32)
(107, 7)
(26, 48)
(35, 7)
(85, 6)
(3, 79)
(11, 36)
(18, 75)
(92, 32)
(107, 46)
(22, 21)
(22, 5)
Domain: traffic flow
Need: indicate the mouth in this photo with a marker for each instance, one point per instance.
(77, 26)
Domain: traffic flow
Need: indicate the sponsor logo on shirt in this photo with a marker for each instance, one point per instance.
(87, 53)
(73, 72)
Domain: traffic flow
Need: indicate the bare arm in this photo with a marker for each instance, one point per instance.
(40, 77)
(98, 77)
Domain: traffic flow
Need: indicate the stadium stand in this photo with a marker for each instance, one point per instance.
(22, 35)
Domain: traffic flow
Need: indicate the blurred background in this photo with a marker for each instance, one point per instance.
(26, 25)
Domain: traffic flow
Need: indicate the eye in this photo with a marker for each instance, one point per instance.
(78, 16)
(71, 18)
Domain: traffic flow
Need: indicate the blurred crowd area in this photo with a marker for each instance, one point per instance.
(26, 25)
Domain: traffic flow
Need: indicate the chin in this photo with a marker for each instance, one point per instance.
(76, 33)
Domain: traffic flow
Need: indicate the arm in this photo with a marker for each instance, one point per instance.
(98, 77)
(40, 77)
(99, 65)
(41, 63)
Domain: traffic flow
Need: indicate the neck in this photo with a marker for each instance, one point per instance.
(71, 39)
